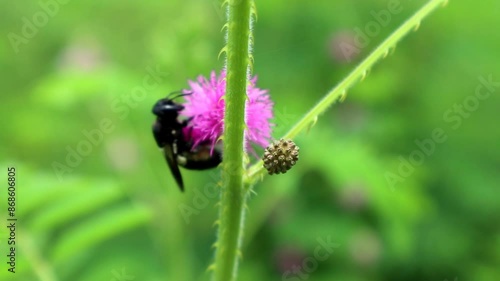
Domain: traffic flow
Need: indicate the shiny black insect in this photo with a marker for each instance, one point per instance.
(169, 134)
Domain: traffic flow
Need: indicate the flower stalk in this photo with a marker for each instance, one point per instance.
(339, 92)
(233, 195)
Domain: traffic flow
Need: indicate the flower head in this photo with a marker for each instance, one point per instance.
(204, 107)
(280, 156)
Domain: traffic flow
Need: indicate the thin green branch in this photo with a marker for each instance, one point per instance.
(233, 195)
(357, 75)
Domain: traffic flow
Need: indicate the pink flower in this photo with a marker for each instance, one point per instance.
(204, 107)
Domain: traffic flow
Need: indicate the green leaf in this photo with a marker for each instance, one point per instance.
(79, 203)
(96, 230)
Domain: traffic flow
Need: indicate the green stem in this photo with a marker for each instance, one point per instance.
(233, 195)
(358, 74)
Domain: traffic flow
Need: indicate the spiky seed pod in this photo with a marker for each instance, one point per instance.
(280, 156)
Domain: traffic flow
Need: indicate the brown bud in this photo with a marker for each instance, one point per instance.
(280, 156)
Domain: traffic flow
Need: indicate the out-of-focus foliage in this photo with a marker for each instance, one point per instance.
(78, 83)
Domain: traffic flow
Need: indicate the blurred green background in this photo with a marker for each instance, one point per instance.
(68, 70)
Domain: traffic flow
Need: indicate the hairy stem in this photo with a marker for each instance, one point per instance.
(233, 195)
(357, 75)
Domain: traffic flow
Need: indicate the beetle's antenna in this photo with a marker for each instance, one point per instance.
(176, 92)
(181, 95)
